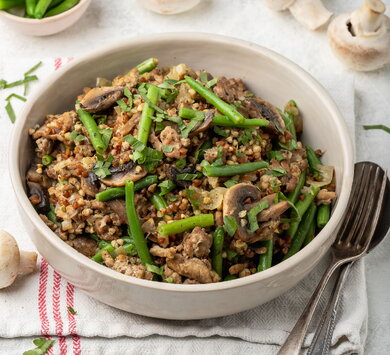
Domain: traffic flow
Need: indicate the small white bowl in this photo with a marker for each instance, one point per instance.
(269, 75)
(48, 25)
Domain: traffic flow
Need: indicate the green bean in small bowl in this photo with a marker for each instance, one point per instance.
(41, 17)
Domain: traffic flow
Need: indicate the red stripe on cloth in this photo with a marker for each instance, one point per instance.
(57, 312)
(57, 63)
(72, 319)
(42, 309)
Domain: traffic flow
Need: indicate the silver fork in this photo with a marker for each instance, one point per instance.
(353, 239)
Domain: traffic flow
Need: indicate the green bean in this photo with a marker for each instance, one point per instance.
(47, 159)
(104, 246)
(54, 3)
(158, 202)
(92, 129)
(30, 7)
(294, 194)
(41, 8)
(62, 7)
(231, 170)
(135, 225)
(51, 215)
(9, 4)
(302, 206)
(145, 122)
(189, 113)
(265, 260)
(147, 65)
(311, 233)
(222, 106)
(323, 215)
(302, 231)
(313, 160)
(117, 192)
(176, 227)
(230, 277)
(220, 120)
(216, 251)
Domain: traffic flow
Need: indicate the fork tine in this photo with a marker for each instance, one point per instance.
(378, 200)
(354, 205)
(366, 209)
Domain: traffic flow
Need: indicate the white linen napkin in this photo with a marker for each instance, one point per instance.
(37, 304)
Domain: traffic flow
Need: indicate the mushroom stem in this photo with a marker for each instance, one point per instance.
(278, 5)
(368, 19)
(310, 13)
(28, 260)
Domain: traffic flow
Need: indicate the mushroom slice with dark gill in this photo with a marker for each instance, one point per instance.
(101, 98)
(173, 172)
(38, 197)
(203, 125)
(260, 108)
(121, 173)
(242, 197)
(90, 184)
(119, 207)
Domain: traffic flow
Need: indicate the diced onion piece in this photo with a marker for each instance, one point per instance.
(325, 178)
(213, 198)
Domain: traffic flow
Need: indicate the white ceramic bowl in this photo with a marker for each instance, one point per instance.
(269, 75)
(169, 7)
(48, 25)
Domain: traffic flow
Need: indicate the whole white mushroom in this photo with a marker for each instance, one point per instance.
(13, 261)
(361, 39)
(169, 7)
(310, 13)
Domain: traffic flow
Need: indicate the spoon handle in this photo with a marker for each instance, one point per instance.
(323, 336)
(294, 342)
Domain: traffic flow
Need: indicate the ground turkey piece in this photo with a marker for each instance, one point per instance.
(230, 90)
(84, 245)
(193, 268)
(169, 137)
(56, 126)
(197, 243)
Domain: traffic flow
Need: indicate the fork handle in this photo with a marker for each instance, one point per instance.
(294, 342)
(323, 336)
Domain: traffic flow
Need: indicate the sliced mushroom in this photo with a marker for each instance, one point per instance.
(101, 98)
(269, 112)
(40, 179)
(13, 261)
(38, 197)
(119, 207)
(203, 125)
(173, 172)
(235, 200)
(90, 184)
(121, 173)
(361, 40)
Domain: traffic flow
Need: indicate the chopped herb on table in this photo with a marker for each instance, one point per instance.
(42, 346)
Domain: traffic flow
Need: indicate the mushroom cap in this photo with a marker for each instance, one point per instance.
(101, 98)
(9, 259)
(235, 200)
(121, 173)
(359, 53)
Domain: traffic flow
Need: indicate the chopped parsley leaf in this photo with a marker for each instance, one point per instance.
(230, 225)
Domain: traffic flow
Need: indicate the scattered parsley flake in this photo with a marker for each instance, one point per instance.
(230, 225)
(71, 311)
(277, 172)
(106, 134)
(230, 183)
(194, 202)
(211, 83)
(186, 177)
(167, 148)
(166, 186)
(102, 166)
(181, 163)
(221, 132)
(203, 77)
(246, 136)
(377, 126)
(42, 346)
(252, 216)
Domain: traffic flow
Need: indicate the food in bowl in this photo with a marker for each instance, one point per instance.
(171, 174)
(38, 9)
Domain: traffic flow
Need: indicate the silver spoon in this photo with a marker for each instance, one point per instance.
(322, 340)
(352, 241)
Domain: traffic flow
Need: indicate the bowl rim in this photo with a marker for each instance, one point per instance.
(346, 149)
(44, 20)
